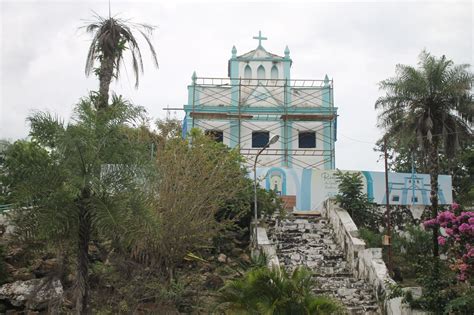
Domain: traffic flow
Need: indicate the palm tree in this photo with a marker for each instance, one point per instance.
(111, 38)
(432, 106)
(274, 291)
(78, 181)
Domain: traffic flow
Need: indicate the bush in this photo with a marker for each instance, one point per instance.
(372, 239)
(352, 199)
(274, 291)
(3, 267)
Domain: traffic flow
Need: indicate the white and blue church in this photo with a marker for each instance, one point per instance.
(260, 99)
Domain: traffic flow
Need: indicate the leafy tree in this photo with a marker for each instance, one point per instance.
(112, 37)
(80, 180)
(430, 105)
(194, 180)
(169, 128)
(352, 198)
(274, 291)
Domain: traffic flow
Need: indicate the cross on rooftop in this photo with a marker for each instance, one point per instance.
(260, 38)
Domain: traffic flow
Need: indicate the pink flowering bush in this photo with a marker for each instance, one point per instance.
(456, 239)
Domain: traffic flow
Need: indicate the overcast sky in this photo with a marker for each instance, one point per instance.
(358, 44)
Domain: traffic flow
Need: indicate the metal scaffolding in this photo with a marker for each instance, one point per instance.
(280, 103)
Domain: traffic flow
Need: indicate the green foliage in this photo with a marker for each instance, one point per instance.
(463, 304)
(241, 207)
(427, 104)
(437, 291)
(195, 179)
(24, 161)
(428, 108)
(352, 199)
(81, 180)
(274, 291)
(3, 268)
(395, 290)
(410, 252)
(112, 39)
(94, 151)
(372, 239)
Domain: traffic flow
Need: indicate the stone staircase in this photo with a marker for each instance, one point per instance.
(309, 241)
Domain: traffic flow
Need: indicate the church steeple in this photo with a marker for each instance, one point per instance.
(259, 63)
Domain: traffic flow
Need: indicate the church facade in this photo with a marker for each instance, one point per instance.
(260, 99)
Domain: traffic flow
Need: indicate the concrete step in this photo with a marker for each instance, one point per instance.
(309, 241)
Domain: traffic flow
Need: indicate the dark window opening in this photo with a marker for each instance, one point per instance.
(216, 135)
(396, 198)
(307, 139)
(260, 139)
(414, 199)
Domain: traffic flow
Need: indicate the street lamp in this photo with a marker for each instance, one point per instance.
(273, 140)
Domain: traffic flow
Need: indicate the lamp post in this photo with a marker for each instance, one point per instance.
(273, 140)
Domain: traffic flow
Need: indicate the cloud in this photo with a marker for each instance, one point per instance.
(358, 44)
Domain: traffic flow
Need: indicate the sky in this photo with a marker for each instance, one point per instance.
(43, 51)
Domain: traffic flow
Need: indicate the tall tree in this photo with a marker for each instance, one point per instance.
(431, 104)
(81, 179)
(112, 37)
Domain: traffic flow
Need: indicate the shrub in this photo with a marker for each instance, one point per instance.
(274, 291)
(352, 199)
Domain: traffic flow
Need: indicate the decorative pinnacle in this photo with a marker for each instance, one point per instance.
(194, 77)
(234, 51)
(326, 80)
(287, 51)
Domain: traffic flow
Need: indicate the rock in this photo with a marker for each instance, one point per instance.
(35, 294)
(295, 257)
(245, 258)
(236, 251)
(45, 267)
(22, 274)
(213, 282)
(222, 258)
(346, 292)
(14, 254)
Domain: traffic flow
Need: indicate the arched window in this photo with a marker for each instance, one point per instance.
(261, 72)
(274, 74)
(247, 72)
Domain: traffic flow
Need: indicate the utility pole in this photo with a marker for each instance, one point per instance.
(388, 236)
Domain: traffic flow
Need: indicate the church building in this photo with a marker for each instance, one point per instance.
(258, 100)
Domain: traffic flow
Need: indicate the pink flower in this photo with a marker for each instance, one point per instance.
(454, 206)
(430, 223)
(461, 277)
(463, 267)
(464, 228)
(470, 253)
(446, 217)
(448, 231)
(441, 240)
(471, 220)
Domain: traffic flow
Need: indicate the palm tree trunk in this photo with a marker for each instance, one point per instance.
(106, 72)
(434, 170)
(82, 277)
